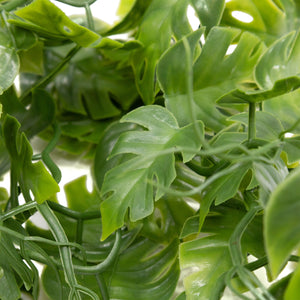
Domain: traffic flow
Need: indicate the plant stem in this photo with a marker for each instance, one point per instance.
(89, 17)
(45, 80)
(251, 122)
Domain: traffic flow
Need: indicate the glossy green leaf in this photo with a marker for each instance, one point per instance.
(44, 18)
(292, 149)
(268, 19)
(9, 61)
(214, 75)
(210, 252)
(279, 61)
(280, 87)
(162, 21)
(131, 182)
(132, 18)
(209, 12)
(282, 222)
(32, 177)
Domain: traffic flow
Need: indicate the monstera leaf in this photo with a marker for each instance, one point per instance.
(32, 177)
(131, 184)
(46, 19)
(269, 19)
(145, 271)
(210, 251)
(214, 75)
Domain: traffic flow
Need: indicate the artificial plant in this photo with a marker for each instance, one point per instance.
(192, 137)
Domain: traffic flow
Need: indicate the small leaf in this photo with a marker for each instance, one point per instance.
(32, 177)
(293, 289)
(44, 18)
(79, 198)
(131, 183)
(282, 222)
(292, 149)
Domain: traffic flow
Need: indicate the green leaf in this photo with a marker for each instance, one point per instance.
(132, 18)
(9, 61)
(292, 291)
(131, 183)
(267, 126)
(282, 222)
(44, 18)
(144, 271)
(209, 252)
(32, 60)
(279, 61)
(32, 177)
(209, 12)
(162, 21)
(79, 198)
(223, 188)
(214, 75)
(271, 19)
(280, 87)
(292, 148)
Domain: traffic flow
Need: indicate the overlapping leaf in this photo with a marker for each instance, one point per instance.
(145, 271)
(210, 252)
(132, 183)
(282, 222)
(269, 19)
(46, 19)
(214, 75)
(32, 177)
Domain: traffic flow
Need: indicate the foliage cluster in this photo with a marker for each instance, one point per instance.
(192, 135)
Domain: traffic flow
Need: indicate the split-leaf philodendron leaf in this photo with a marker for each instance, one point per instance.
(187, 114)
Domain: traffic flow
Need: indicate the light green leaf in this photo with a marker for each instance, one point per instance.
(282, 222)
(46, 19)
(293, 288)
(162, 22)
(131, 183)
(209, 252)
(267, 126)
(214, 75)
(9, 61)
(292, 148)
(32, 177)
(268, 19)
(279, 61)
(209, 12)
(79, 198)
(280, 87)
(223, 188)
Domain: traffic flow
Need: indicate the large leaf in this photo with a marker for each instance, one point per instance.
(210, 252)
(131, 183)
(214, 75)
(270, 18)
(145, 271)
(32, 177)
(46, 19)
(282, 222)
